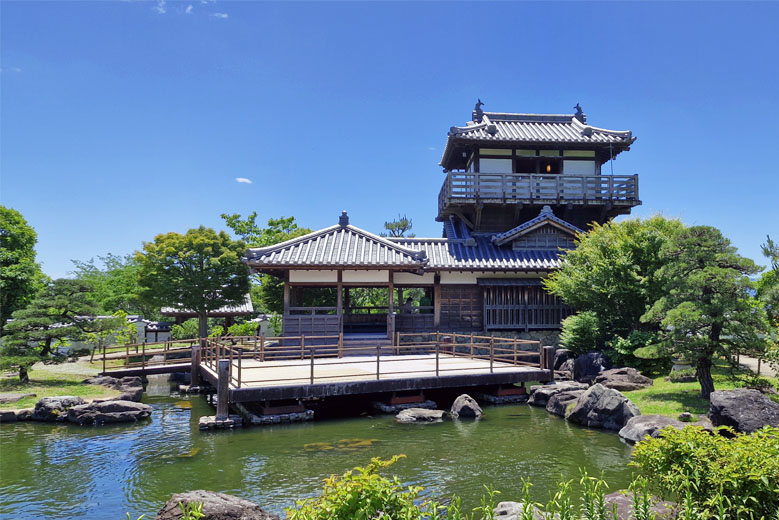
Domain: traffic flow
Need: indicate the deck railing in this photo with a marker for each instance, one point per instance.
(538, 188)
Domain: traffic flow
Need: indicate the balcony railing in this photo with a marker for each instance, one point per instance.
(533, 188)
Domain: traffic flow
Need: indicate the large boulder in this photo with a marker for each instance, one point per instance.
(419, 415)
(216, 506)
(515, 511)
(130, 386)
(623, 379)
(105, 412)
(601, 407)
(624, 499)
(743, 409)
(559, 402)
(13, 397)
(587, 366)
(540, 394)
(54, 409)
(562, 355)
(465, 406)
(640, 426)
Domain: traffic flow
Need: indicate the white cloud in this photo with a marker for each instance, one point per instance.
(188, 10)
(221, 16)
(10, 69)
(243, 180)
(432, 148)
(160, 7)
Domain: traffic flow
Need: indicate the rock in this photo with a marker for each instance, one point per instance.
(540, 394)
(623, 379)
(53, 409)
(130, 386)
(561, 356)
(216, 506)
(7, 416)
(640, 426)
(685, 417)
(558, 403)
(742, 409)
(514, 511)
(601, 407)
(705, 423)
(25, 414)
(12, 398)
(567, 366)
(105, 412)
(465, 406)
(587, 366)
(624, 499)
(414, 415)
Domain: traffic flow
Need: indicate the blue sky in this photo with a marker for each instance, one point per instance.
(122, 120)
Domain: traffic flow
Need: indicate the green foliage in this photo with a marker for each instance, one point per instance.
(398, 227)
(581, 332)
(611, 274)
(110, 330)
(216, 331)
(681, 376)
(200, 271)
(20, 275)
(719, 477)
(641, 351)
(192, 511)
(186, 330)
(706, 309)
(59, 313)
(114, 282)
(243, 329)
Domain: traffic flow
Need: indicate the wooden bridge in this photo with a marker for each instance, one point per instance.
(250, 369)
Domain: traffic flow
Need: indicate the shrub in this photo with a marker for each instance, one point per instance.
(581, 333)
(682, 376)
(187, 330)
(719, 477)
(243, 329)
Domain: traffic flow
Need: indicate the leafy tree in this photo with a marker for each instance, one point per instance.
(200, 270)
(610, 274)
(267, 291)
(115, 284)
(114, 329)
(61, 312)
(398, 227)
(706, 309)
(20, 275)
(186, 330)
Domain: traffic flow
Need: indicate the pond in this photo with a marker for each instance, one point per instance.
(64, 471)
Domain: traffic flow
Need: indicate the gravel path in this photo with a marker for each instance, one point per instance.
(751, 364)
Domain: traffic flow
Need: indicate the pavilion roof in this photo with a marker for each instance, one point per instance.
(242, 308)
(546, 217)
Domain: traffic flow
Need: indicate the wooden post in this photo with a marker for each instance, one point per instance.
(549, 360)
(194, 379)
(378, 358)
(758, 366)
(471, 344)
(312, 365)
(437, 301)
(515, 351)
(240, 364)
(126, 355)
(222, 389)
(340, 344)
(262, 347)
(437, 352)
(143, 356)
(492, 353)
(302, 345)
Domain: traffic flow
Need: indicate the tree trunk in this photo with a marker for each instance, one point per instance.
(703, 371)
(24, 377)
(46, 348)
(202, 325)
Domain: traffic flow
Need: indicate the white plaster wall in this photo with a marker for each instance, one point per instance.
(410, 278)
(313, 276)
(381, 276)
(470, 278)
(579, 167)
(494, 165)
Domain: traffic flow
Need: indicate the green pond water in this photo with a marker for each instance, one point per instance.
(64, 471)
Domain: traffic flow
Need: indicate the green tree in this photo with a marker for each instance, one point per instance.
(20, 275)
(706, 310)
(61, 312)
(398, 227)
(107, 330)
(610, 276)
(200, 270)
(115, 284)
(267, 291)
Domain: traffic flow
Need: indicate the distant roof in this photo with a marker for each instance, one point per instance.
(245, 307)
(498, 128)
(342, 245)
(545, 217)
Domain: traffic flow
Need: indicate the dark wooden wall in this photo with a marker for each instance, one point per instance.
(461, 308)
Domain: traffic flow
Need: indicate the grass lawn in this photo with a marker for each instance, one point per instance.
(55, 380)
(671, 399)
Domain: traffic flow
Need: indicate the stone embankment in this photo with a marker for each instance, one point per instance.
(464, 407)
(122, 408)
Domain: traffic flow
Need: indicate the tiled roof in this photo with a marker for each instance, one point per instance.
(546, 216)
(341, 245)
(245, 307)
(445, 254)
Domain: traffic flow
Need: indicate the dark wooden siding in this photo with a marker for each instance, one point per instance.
(461, 308)
(522, 308)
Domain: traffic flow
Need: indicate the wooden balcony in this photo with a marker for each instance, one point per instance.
(537, 189)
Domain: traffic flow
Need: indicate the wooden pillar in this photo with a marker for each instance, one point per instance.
(286, 293)
(194, 379)
(339, 306)
(222, 389)
(437, 302)
(391, 305)
(548, 360)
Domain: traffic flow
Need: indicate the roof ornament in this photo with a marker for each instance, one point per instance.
(579, 114)
(478, 113)
(343, 220)
(546, 210)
